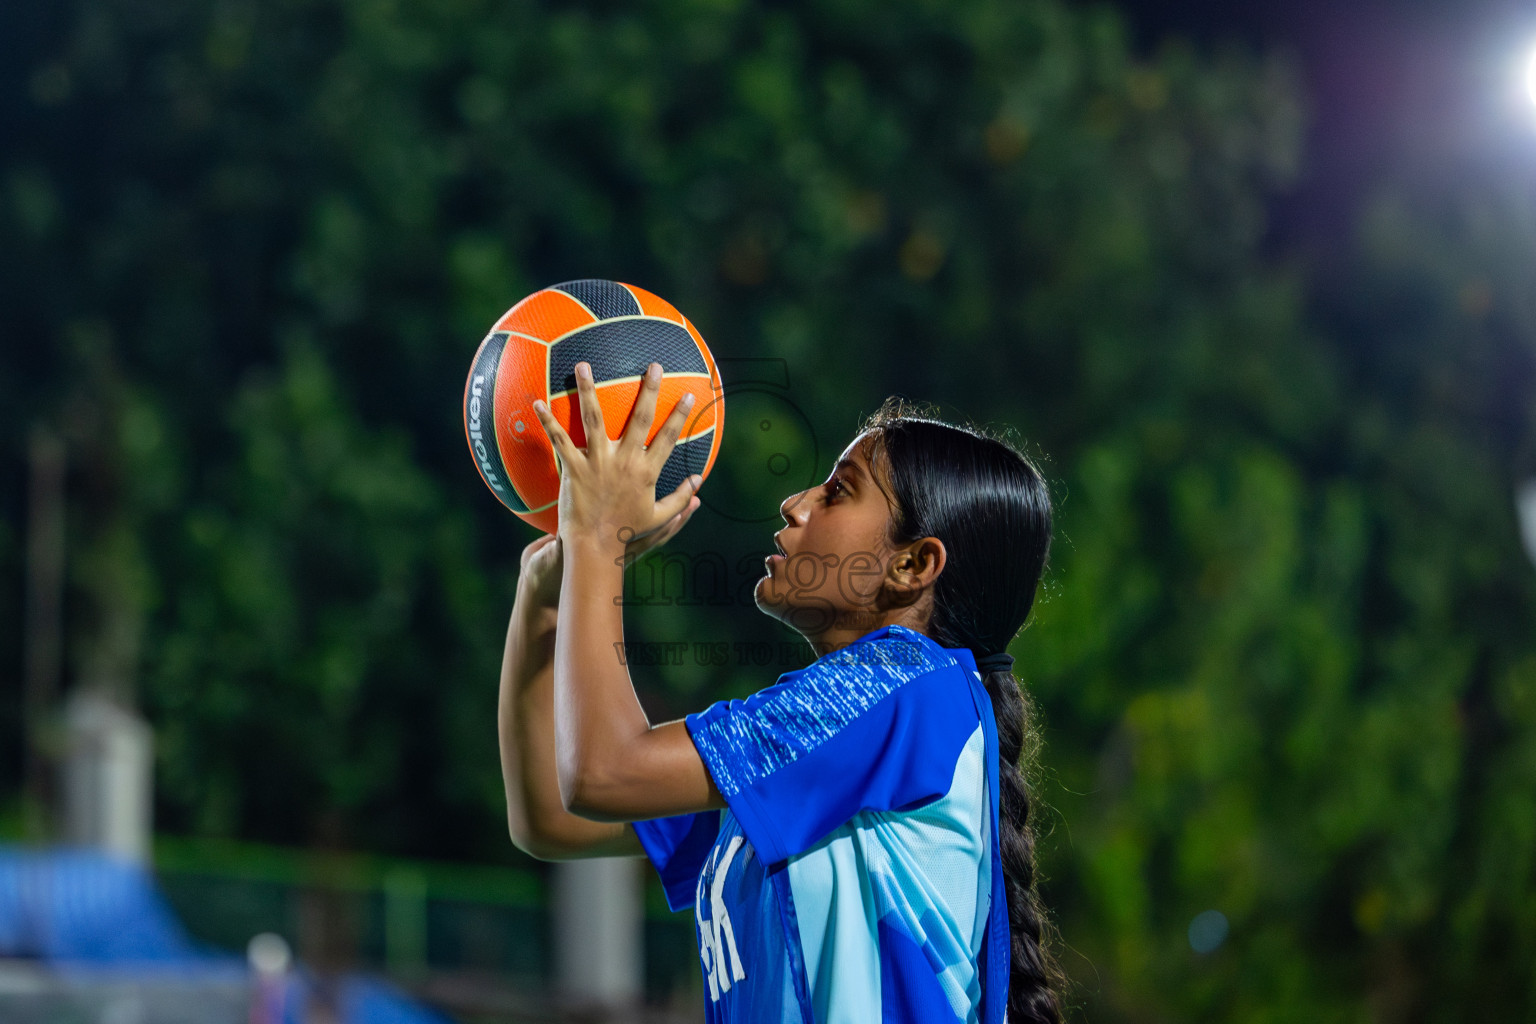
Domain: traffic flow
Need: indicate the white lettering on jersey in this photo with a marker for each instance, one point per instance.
(717, 939)
(706, 943)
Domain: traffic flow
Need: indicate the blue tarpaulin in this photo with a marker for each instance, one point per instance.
(85, 915)
(73, 906)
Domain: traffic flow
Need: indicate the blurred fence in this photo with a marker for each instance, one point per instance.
(475, 941)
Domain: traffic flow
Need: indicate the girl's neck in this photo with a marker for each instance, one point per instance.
(844, 632)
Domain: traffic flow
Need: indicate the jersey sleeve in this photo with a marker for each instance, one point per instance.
(871, 730)
(677, 847)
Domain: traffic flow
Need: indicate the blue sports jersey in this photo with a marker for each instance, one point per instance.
(854, 875)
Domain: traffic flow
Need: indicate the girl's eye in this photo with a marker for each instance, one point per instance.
(835, 487)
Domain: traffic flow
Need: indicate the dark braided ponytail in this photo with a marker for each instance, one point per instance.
(990, 507)
(1034, 977)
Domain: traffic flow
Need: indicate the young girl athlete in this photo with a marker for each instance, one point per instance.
(854, 839)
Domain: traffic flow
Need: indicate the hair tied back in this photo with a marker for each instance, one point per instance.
(989, 663)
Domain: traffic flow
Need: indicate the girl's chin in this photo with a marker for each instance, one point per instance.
(770, 598)
(761, 594)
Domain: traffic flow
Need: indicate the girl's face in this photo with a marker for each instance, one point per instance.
(836, 553)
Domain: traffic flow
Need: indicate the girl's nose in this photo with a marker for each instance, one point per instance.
(790, 505)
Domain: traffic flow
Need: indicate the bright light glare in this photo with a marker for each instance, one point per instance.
(1530, 78)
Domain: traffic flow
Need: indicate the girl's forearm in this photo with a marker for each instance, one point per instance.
(537, 819)
(613, 765)
(597, 715)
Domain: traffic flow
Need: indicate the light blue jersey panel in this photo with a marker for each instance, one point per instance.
(920, 877)
(854, 875)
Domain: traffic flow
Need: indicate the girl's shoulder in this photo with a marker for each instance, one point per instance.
(842, 685)
(893, 653)
(877, 725)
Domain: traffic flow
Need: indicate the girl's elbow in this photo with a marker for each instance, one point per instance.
(587, 792)
(537, 849)
(579, 799)
(540, 844)
(528, 839)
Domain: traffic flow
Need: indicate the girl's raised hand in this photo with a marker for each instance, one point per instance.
(543, 562)
(540, 570)
(608, 490)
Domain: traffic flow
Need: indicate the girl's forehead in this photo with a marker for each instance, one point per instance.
(863, 452)
(859, 448)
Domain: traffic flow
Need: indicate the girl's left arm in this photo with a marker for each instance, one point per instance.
(537, 819)
(613, 765)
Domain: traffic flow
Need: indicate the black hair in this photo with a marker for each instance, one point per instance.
(989, 505)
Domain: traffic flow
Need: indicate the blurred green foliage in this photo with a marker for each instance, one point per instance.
(1284, 653)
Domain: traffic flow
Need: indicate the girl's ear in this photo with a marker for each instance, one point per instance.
(916, 566)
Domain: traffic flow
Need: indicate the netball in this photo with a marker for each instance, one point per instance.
(530, 353)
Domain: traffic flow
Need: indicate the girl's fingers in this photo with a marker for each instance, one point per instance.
(591, 410)
(677, 502)
(686, 514)
(661, 535)
(645, 409)
(670, 512)
(680, 520)
(666, 437)
(564, 448)
(534, 548)
(669, 517)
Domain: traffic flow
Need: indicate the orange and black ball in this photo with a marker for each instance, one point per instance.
(531, 353)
